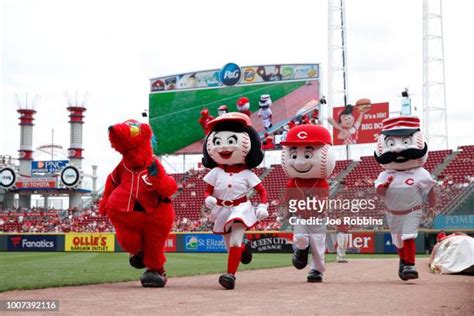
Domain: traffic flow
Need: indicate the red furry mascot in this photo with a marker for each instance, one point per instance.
(137, 200)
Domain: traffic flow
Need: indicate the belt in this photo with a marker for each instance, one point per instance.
(405, 212)
(229, 203)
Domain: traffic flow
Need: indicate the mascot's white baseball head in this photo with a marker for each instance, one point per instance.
(307, 152)
(243, 104)
(401, 145)
(231, 141)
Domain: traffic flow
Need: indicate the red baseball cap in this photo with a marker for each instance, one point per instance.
(307, 134)
(400, 125)
(242, 100)
(232, 116)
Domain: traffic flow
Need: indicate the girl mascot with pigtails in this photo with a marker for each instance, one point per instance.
(231, 149)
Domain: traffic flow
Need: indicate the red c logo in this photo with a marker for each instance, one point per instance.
(302, 135)
(409, 181)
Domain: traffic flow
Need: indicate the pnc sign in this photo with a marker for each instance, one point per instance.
(48, 166)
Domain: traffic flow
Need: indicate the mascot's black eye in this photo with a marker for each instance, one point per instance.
(217, 141)
(308, 155)
(293, 156)
(232, 140)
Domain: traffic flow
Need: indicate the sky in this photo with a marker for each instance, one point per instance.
(112, 48)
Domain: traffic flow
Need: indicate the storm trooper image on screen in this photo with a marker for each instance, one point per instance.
(265, 113)
(231, 150)
(308, 161)
(405, 184)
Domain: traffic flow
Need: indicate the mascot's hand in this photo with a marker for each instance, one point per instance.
(210, 202)
(153, 169)
(262, 211)
(389, 180)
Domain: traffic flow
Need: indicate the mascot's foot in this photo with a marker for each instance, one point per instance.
(227, 280)
(136, 261)
(300, 258)
(153, 278)
(409, 273)
(246, 257)
(400, 269)
(314, 276)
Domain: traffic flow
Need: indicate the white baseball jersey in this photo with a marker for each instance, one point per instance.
(266, 115)
(408, 188)
(231, 186)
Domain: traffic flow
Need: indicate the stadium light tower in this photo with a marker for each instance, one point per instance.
(337, 55)
(434, 89)
(337, 58)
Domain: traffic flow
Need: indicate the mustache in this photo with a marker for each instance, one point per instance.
(403, 156)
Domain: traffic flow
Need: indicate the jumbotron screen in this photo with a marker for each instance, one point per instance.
(177, 102)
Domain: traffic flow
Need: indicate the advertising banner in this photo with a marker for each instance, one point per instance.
(271, 242)
(388, 247)
(358, 124)
(90, 242)
(36, 183)
(231, 74)
(32, 242)
(48, 166)
(170, 243)
(454, 222)
(203, 243)
(361, 242)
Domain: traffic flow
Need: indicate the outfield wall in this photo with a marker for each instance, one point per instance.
(369, 242)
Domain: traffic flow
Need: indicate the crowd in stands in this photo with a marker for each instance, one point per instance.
(191, 216)
(38, 220)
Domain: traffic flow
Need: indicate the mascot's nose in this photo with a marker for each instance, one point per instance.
(134, 130)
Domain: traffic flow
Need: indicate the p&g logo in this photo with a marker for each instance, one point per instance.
(230, 74)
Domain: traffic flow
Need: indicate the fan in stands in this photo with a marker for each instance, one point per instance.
(402, 151)
(231, 149)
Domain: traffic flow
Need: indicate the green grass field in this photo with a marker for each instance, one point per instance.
(35, 270)
(174, 115)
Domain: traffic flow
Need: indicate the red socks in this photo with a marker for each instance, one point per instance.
(409, 248)
(234, 259)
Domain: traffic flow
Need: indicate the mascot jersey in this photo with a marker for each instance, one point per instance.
(134, 190)
(230, 186)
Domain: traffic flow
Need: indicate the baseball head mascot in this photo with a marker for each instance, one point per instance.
(231, 150)
(137, 200)
(402, 151)
(308, 161)
(243, 106)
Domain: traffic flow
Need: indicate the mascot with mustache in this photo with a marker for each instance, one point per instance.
(405, 184)
(232, 149)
